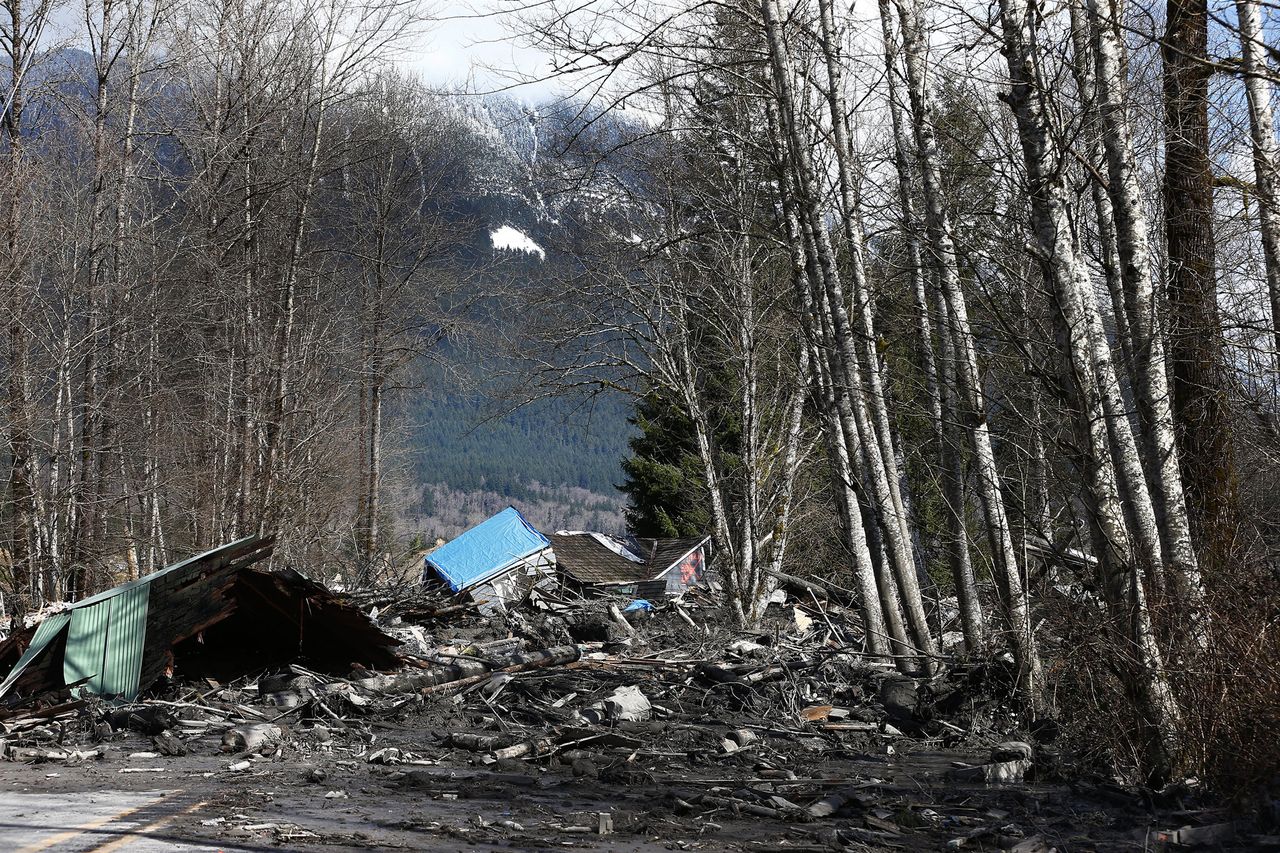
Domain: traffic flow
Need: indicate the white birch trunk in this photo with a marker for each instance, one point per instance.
(947, 270)
(1058, 253)
(850, 370)
(1151, 380)
(1258, 85)
(881, 618)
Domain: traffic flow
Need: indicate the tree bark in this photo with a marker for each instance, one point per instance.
(947, 271)
(1195, 327)
(1258, 86)
(847, 369)
(1087, 369)
(1147, 346)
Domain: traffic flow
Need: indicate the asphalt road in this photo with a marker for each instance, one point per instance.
(101, 821)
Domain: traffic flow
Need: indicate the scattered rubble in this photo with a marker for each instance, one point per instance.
(561, 719)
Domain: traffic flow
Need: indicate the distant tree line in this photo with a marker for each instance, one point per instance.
(461, 434)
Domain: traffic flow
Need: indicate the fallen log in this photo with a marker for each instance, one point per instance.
(251, 737)
(537, 746)
(814, 587)
(467, 671)
(478, 743)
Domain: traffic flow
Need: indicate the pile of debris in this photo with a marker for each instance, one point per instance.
(211, 614)
(498, 562)
(659, 715)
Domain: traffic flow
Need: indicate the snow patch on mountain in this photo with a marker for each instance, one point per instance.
(511, 239)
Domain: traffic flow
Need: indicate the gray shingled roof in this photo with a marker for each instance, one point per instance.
(586, 560)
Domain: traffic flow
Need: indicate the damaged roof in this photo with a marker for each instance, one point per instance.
(587, 559)
(666, 554)
(105, 637)
(119, 642)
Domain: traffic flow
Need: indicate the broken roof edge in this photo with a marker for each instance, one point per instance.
(678, 560)
(493, 573)
(613, 543)
(123, 669)
(240, 547)
(46, 633)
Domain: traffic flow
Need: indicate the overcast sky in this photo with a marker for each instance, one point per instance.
(468, 46)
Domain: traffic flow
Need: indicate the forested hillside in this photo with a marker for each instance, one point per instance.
(466, 456)
(460, 439)
(276, 296)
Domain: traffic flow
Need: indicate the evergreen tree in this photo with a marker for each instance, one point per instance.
(662, 477)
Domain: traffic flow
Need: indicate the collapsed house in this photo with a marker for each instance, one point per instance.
(502, 559)
(641, 568)
(209, 616)
(495, 562)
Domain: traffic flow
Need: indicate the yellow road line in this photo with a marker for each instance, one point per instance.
(46, 843)
(134, 834)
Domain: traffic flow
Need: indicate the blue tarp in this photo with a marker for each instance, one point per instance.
(487, 549)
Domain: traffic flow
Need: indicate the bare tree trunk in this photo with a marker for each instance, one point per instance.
(938, 382)
(1082, 66)
(880, 610)
(953, 482)
(781, 532)
(1089, 360)
(1258, 85)
(20, 42)
(947, 270)
(1195, 326)
(850, 371)
(1147, 347)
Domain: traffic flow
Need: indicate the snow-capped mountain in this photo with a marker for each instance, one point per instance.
(536, 175)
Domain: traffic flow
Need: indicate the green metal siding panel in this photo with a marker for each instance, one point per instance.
(87, 645)
(105, 643)
(107, 632)
(45, 633)
(126, 636)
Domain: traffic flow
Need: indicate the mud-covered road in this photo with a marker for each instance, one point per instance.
(321, 796)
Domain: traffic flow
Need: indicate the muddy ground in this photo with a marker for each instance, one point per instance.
(321, 792)
(585, 730)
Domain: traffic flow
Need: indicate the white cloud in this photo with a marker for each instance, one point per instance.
(470, 46)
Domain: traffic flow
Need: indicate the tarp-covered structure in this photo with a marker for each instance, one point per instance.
(120, 642)
(496, 561)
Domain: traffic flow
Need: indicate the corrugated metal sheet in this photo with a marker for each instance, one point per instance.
(126, 636)
(45, 634)
(104, 643)
(107, 632)
(86, 652)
